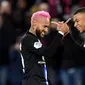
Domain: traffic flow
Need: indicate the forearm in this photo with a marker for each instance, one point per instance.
(49, 52)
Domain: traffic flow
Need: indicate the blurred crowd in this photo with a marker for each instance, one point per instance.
(66, 66)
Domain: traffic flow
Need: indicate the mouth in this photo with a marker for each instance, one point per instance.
(78, 28)
(43, 34)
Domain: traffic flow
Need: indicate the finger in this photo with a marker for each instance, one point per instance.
(65, 34)
(68, 20)
(61, 22)
(54, 23)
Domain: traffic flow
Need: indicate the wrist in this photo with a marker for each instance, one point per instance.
(60, 32)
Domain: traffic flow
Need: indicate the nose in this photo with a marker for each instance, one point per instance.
(46, 30)
(75, 24)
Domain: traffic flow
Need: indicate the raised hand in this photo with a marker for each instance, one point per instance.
(62, 26)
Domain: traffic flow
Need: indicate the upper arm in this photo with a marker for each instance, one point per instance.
(32, 45)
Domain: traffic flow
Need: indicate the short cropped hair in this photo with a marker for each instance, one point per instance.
(40, 14)
(80, 10)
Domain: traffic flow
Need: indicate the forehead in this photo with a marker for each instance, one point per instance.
(44, 20)
(79, 16)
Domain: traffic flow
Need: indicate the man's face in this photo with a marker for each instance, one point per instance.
(79, 21)
(42, 27)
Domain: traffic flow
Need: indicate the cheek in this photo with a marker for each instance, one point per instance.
(82, 23)
(83, 26)
(41, 29)
(38, 31)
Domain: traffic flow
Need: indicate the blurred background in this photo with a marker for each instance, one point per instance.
(65, 67)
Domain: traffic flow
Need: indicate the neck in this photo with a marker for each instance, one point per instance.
(32, 31)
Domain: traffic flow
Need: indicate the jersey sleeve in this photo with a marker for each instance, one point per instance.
(53, 47)
(33, 45)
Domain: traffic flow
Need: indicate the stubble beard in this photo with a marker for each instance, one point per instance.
(38, 33)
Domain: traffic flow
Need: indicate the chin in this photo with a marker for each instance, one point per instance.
(41, 36)
(81, 31)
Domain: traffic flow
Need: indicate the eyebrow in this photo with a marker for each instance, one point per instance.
(75, 20)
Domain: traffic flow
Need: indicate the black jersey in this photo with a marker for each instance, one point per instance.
(32, 51)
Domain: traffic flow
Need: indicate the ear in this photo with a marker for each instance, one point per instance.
(34, 23)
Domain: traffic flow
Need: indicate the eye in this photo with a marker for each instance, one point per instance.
(45, 26)
(76, 20)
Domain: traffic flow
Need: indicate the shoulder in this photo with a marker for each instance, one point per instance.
(29, 40)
